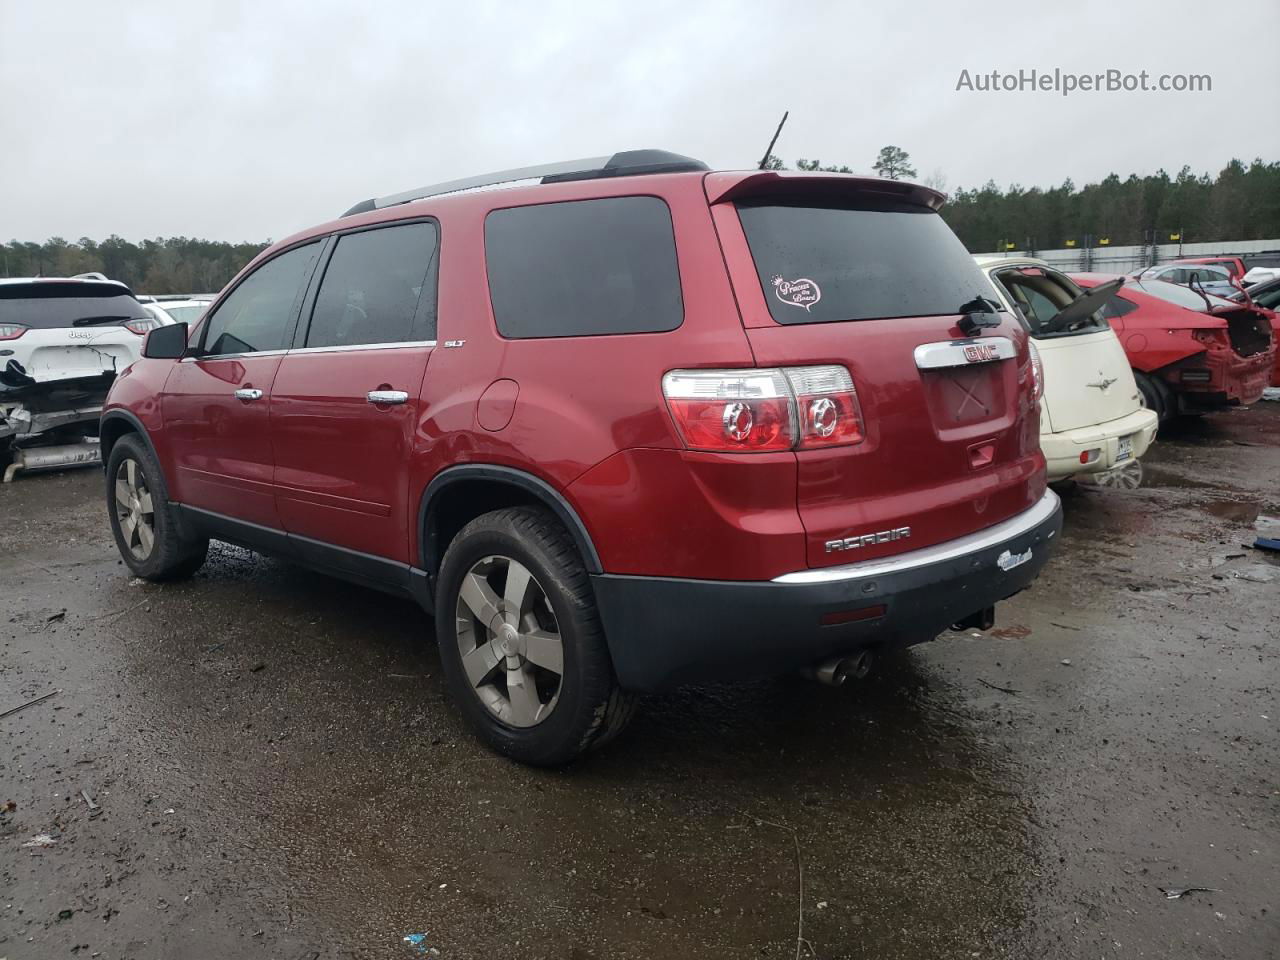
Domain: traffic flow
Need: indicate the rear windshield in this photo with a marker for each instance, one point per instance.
(819, 264)
(1179, 295)
(49, 304)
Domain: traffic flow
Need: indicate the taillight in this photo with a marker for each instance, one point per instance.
(762, 410)
(141, 325)
(1037, 370)
(731, 409)
(829, 414)
(1212, 338)
(11, 331)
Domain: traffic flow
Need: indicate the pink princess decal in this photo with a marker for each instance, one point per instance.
(798, 293)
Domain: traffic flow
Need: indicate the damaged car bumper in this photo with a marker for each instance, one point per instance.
(1223, 378)
(28, 411)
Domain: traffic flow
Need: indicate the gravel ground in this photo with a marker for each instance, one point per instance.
(279, 772)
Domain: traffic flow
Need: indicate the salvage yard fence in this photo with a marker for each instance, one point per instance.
(1107, 259)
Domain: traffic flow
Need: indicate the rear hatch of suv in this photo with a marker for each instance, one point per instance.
(53, 330)
(864, 274)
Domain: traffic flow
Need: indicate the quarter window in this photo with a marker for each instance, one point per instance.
(1117, 307)
(583, 268)
(379, 287)
(258, 314)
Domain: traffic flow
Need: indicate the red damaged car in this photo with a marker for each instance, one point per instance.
(1190, 353)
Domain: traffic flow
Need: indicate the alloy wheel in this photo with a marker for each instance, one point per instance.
(509, 641)
(1127, 476)
(134, 509)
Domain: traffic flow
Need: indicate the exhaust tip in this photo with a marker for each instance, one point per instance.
(836, 671)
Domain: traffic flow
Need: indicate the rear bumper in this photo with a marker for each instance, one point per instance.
(1062, 450)
(1230, 379)
(662, 632)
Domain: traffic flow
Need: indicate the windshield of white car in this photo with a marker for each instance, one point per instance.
(188, 313)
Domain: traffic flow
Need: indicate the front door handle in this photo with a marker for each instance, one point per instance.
(387, 396)
(248, 393)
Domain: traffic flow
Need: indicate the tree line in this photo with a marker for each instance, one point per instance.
(1242, 202)
(1239, 203)
(163, 265)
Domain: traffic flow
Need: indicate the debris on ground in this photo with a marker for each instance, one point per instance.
(996, 686)
(1271, 393)
(1267, 543)
(30, 703)
(1177, 893)
(42, 840)
(94, 808)
(418, 941)
(1257, 573)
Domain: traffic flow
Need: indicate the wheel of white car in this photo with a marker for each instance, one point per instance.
(1127, 476)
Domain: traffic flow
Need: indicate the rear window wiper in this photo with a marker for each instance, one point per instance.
(978, 313)
(91, 321)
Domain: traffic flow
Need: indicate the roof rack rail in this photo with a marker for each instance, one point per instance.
(627, 163)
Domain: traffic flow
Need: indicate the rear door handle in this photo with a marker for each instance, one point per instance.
(248, 393)
(387, 396)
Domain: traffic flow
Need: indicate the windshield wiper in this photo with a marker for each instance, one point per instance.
(91, 321)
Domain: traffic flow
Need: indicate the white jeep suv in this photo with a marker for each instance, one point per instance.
(62, 342)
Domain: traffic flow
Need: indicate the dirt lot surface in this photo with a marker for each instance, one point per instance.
(279, 773)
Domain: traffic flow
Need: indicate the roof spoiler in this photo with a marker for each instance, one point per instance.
(628, 163)
(722, 187)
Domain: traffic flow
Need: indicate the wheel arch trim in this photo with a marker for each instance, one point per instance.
(136, 425)
(429, 554)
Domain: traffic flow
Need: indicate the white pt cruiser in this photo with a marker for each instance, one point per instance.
(1092, 418)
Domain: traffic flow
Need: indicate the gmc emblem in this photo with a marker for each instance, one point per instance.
(980, 353)
(866, 540)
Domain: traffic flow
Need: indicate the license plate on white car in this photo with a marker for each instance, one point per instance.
(1125, 449)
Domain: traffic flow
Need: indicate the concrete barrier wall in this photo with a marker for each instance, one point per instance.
(1256, 253)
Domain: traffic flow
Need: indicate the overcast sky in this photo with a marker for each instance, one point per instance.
(246, 121)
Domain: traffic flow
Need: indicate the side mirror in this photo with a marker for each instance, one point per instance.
(166, 343)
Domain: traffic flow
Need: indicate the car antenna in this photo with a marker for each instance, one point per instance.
(769, 152)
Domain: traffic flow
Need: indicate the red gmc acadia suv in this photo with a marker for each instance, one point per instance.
(620, 424)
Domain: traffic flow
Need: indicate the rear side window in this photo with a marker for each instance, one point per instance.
(376, 290)
(819, 264)
(50, 304)
(583, 268)
(258, 314)
(1118, 307)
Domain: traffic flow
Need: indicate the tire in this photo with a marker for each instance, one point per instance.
(1155, 395)
(134, 483)
(544, 718)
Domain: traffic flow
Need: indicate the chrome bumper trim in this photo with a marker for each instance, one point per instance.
(971, 543)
